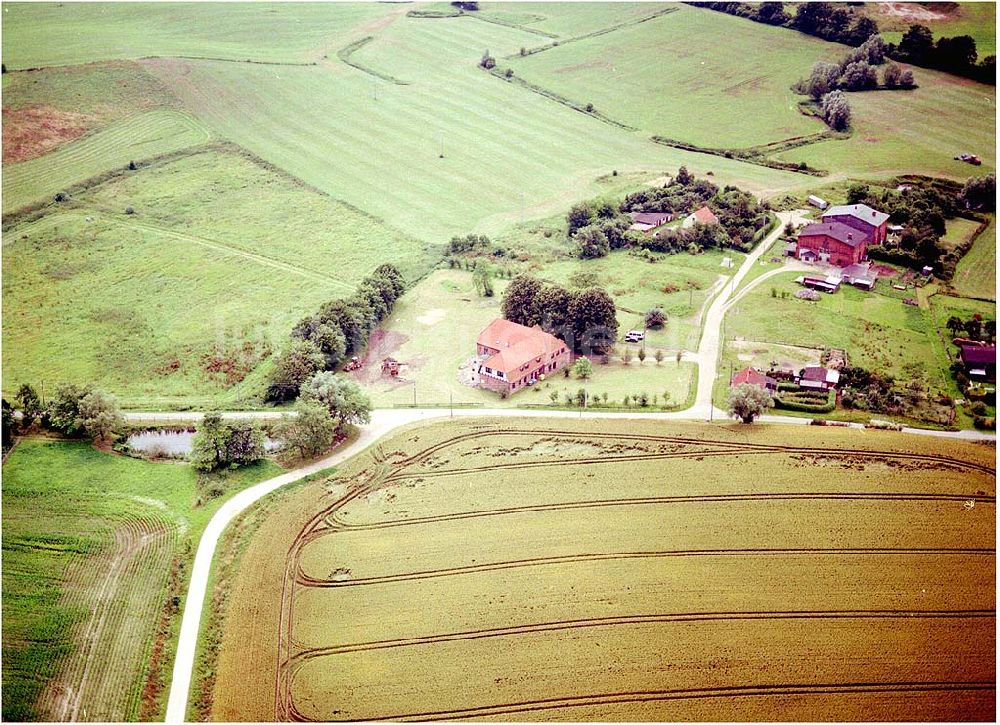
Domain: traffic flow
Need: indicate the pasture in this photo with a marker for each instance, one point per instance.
(219, 260)
(976, 272)
(693, 588)
(94, 548)
(138, 137)
(944, 19)
(666, 77)
(446, 307)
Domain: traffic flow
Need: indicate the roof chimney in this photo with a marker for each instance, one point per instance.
(850, 235)
(873, 212)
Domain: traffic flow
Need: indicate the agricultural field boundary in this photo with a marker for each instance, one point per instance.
(552, 95)
(497, 21)
(594, 34)
(347, 51)
(759, 154)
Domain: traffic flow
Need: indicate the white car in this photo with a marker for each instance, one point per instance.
(634, 336)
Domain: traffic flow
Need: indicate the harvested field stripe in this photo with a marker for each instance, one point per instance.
(654, 500)
(641, 619)
(305, 580)
(695, 693)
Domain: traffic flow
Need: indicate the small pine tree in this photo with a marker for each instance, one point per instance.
(642, 354)
(658, 356)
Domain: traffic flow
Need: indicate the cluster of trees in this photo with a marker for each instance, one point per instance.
(219, 443)
(74, 410)
(339, 330)
(741, 215)
(956, 55)
(326, 403)
(595, 228)
(923, 210)
(837, 23)
(585, 320)
(975, 328)
(980, 193)
(869, 390)
(856, 71)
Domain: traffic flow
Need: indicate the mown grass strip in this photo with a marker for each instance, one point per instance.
(593, 34)
(750, 155)
(347, 51)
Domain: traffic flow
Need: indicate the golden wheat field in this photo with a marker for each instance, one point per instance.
(596, 570)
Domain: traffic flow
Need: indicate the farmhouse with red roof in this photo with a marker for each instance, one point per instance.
(512, 356)
(702, 216)
(752, 376)
(980, 360)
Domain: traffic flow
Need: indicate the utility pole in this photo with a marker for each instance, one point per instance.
(451, 403)
(414, 393)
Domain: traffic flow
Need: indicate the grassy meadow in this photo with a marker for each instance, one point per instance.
(94, 547)
(667, 77)
(458, 149)
(977, 19)
(219, 260)
(134, 138)
(876, 329)
(544, 579)
(51, 34)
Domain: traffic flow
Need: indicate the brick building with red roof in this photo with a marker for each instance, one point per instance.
(832, 242)
(752, 376)
(512, 356)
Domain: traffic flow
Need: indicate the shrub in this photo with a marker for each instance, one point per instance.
(655, 318)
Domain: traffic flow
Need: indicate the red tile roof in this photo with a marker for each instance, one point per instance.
(835, 230)
(656, 218)
(973, 354)
(751, 376)
(705, 216)
(517, 345)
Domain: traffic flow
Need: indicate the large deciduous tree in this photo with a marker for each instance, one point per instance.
(343, 398)
(747, 402)
(310, 430)
(519, 300)
(292, 368)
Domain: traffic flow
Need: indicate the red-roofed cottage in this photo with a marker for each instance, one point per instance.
(832, 242)
(750, 376)
(702, 216)
(513, 356)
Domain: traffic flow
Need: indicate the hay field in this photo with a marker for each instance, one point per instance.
(509, 571)
(378, 143)
(975, 275)
(667, 77)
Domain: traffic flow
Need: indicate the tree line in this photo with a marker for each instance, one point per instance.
(837, 23)
(75, 411)
(585, 320)
(338, 331)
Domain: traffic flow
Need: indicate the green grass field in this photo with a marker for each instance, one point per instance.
(505, 149)
(976, 272)
(90, 541)
(52, 34)
(917, 131)
(877, 330)
(219, 253)
(667, 77)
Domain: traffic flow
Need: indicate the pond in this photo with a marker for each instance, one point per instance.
(173, 443)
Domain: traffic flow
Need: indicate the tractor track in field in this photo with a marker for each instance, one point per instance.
(337, 524)
(391, 467)
(784, 689)
(728, 446)
(304, 580)
(311, 653)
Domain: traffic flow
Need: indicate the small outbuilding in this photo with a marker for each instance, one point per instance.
(817, 202)
(648, 221)
(819, 378)
(979, 360)
(702, 216)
